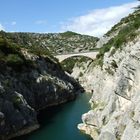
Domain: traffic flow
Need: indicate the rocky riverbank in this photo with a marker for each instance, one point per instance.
(114, 110)
(114, 78)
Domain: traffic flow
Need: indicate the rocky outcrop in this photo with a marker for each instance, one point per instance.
(28, 87)
(115, 101)
(115, 113)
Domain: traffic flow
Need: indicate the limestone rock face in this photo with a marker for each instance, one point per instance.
(103, 40)
(25, 91)
(115, 104)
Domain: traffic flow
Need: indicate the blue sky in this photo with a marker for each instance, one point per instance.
(57, 15)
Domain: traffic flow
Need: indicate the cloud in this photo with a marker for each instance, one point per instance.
(99, 21)
(13, 23)
(41, 22)
(1, 27)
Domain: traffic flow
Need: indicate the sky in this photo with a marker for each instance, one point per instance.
(91, 17)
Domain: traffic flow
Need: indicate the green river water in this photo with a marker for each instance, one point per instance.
(60, 123)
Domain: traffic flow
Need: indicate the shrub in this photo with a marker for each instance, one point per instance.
(8, 47)
(68, 64)
(40, 51)
(68, 34)
(14, 60)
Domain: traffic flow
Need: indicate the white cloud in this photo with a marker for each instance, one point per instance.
(41, 22)
(1, 27)
(13, 23)
(99, 21)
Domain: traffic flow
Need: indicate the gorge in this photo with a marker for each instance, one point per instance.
(32, 79)
(61, 121)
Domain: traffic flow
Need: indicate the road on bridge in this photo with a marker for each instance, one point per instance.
(91, 55)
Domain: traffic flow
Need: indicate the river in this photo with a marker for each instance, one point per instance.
(60, 123)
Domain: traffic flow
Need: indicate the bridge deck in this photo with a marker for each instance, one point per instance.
(91, 55)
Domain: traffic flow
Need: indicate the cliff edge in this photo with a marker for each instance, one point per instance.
(114, 78)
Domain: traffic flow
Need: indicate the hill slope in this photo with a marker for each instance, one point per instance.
(56, 43)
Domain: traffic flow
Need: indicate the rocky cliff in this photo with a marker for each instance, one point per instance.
(30, 80)
(114, 79)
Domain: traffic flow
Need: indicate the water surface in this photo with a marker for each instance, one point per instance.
(60, 123)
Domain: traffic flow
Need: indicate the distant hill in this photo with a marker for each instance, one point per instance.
(56, 43)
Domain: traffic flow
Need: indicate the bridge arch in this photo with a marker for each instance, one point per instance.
(69, 63)
(76, 58)
(91, 55)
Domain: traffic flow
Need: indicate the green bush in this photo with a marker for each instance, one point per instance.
(69, 63)
(40, 51)
(16, 101)
(8, 47)
(14, 60)
(68, 34)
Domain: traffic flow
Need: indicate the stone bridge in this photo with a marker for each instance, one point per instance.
(91, 55)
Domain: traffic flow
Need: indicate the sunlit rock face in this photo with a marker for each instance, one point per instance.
(115, 101)
(115, 113)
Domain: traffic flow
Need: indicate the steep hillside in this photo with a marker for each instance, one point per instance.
(30, 80)
(56, 43)
(125, 31)
(74, 62)
(114, 79)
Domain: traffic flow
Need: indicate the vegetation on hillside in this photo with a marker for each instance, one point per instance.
(56, 43)
(11, 54)
(127, 31)
(69, 63)
(68, 34)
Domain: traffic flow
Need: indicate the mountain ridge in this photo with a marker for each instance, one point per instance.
(56, 43)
